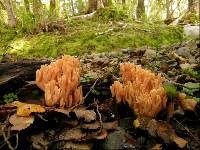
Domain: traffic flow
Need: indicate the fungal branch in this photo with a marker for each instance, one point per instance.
(61, 82)
(141, 89)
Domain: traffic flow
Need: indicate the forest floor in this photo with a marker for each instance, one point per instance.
(76, 37)
(112, 127)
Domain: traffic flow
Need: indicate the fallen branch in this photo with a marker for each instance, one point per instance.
(87, 16)
(100, 119)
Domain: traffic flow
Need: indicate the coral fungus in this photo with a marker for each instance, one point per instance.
(141, 89)
(60, 81)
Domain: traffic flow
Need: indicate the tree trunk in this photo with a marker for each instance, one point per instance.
(124, 4)
(72, 6)
(53, 8)
(100, 4)
(193, 6)
(107, 3)
(27, 6)
(92, 6)
(140, 10)
(169, 16)
(37, 8)
(12, 21)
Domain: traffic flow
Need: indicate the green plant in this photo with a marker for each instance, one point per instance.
(10, 97)
(192, 72)
(87, 78)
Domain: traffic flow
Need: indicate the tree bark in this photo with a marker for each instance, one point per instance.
(92, 6)
(27, 6)
(13, 75)
(12, 21)
(193, 6)
(107, 3)
(72, 6)
(100, 4)
(124, 4)
(140, 10)
(53, 8)
(37, 8)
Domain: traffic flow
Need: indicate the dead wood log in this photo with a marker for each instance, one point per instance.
(13, 75)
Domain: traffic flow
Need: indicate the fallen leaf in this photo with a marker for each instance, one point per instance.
(186, 104)
(20, 123)
(72, 134)
(92, 126)
(110, 125)
(157, 147)
(179, 141)
(24, 109)
(165, 132)
(75, 146)
(87, 115)
(102, 135)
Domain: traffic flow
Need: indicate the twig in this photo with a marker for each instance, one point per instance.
(42, 118)
(100, 119)
(195, 138)
(90, 89)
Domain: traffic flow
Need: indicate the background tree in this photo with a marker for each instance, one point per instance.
(12, 21)
(140, 10)
(92, 6)
(27, 6)
(37, 8)
(193, 6)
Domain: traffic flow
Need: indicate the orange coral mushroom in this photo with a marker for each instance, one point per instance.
(60, 81)
(141, 89)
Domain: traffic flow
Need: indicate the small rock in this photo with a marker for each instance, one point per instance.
(150, 54)
(183, 51)
(119, 139)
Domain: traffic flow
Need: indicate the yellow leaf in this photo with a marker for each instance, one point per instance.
(27, 109)
(136, 123)
(24, 109)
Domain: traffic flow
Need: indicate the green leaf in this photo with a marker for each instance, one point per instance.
(170, 89)
(190, 88)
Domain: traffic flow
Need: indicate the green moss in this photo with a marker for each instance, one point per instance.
(86, 37)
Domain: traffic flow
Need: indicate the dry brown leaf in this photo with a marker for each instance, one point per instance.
(20, 123)
(179, 141)
(92, 126)
(102, 135)
(72, 134)
(76, 146)
(186, 104)
(110, 125)
(165, 132)
(157, 147)
(87, 115)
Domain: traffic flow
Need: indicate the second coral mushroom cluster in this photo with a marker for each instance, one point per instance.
(141, 89)
(60, 81)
